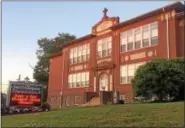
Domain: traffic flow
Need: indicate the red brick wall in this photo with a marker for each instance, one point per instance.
(55, 76)
(180, 36)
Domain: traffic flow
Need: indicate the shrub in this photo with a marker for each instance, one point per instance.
(46, 106)
(162, 78)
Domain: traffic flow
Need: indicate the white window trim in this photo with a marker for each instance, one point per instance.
(86, 76)
(142, 63)
(141, 31)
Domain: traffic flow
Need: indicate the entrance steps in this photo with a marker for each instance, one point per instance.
(95, 101)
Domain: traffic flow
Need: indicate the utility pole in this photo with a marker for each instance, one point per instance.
(19, 78)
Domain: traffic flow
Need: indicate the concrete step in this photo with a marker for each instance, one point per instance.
(93, 102)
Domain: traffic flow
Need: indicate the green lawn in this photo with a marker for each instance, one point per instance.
(153, 114)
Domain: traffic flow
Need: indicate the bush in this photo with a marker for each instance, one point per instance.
(161, 78)
(46, 106)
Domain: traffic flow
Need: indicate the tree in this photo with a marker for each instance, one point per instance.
(26, 78)
(160, 78)
(47, 47)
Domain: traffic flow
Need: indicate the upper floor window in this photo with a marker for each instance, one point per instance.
(79, 54)
(146, 35)
(140, 37)
(130, 40)
(104, 47)
(154, 33)
(137, 38)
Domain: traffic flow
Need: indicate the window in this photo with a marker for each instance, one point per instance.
(123, 41)
(99, 46)
(77, 100)
(67, 100)
(137, 38)
(109, 47)
(77, 80)
(122, 97)
(146, 36)
(71, 56)
(140, 37)
(70, 81)
(79, 54)
(104, 47)
(130, 40)
(74, 81)
(83, 79)
(154, 33)
(84, 53)
(127, 72)
(123, 74)
(88, 51)
(130, 71)
(75, 55)
(87, 79)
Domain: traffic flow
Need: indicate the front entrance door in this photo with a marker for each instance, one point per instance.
(103, 82)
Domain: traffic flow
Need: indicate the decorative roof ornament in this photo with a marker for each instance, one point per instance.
(104, 25)
(105, 13)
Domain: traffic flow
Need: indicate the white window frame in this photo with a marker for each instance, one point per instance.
(127, 72)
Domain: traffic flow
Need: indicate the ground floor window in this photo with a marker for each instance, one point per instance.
(77, 100)
(67, 100)
(127, 72)
(77, 80)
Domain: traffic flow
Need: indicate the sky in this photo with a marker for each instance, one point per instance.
(23, 23)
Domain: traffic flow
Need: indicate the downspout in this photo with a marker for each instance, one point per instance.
(167, 26)
(167, 35)
(61, 93)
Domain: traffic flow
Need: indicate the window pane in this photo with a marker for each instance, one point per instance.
(123, 74)
(109, 45)
(84, 50)
(131, 70)
(138, 44)
(145, 34)
(130, 38)
(104, 46)
(88, 48)
(154, 25)
(71, 53)
(83, 76)
(154, 40)
(154, 32)
(99, 45)
(145, 42)
(123, 34)
(129, 46)
(123, 48)
(145, 27)
(138, 37)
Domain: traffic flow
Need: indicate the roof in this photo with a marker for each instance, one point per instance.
(178, 6)
(74, 41)
(79, 39)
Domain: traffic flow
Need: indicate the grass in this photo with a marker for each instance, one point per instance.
(149, 114)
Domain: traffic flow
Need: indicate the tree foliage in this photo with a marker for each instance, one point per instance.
(47, 47)
(160, 78)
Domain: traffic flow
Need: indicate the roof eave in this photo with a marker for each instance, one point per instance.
(177, 6)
